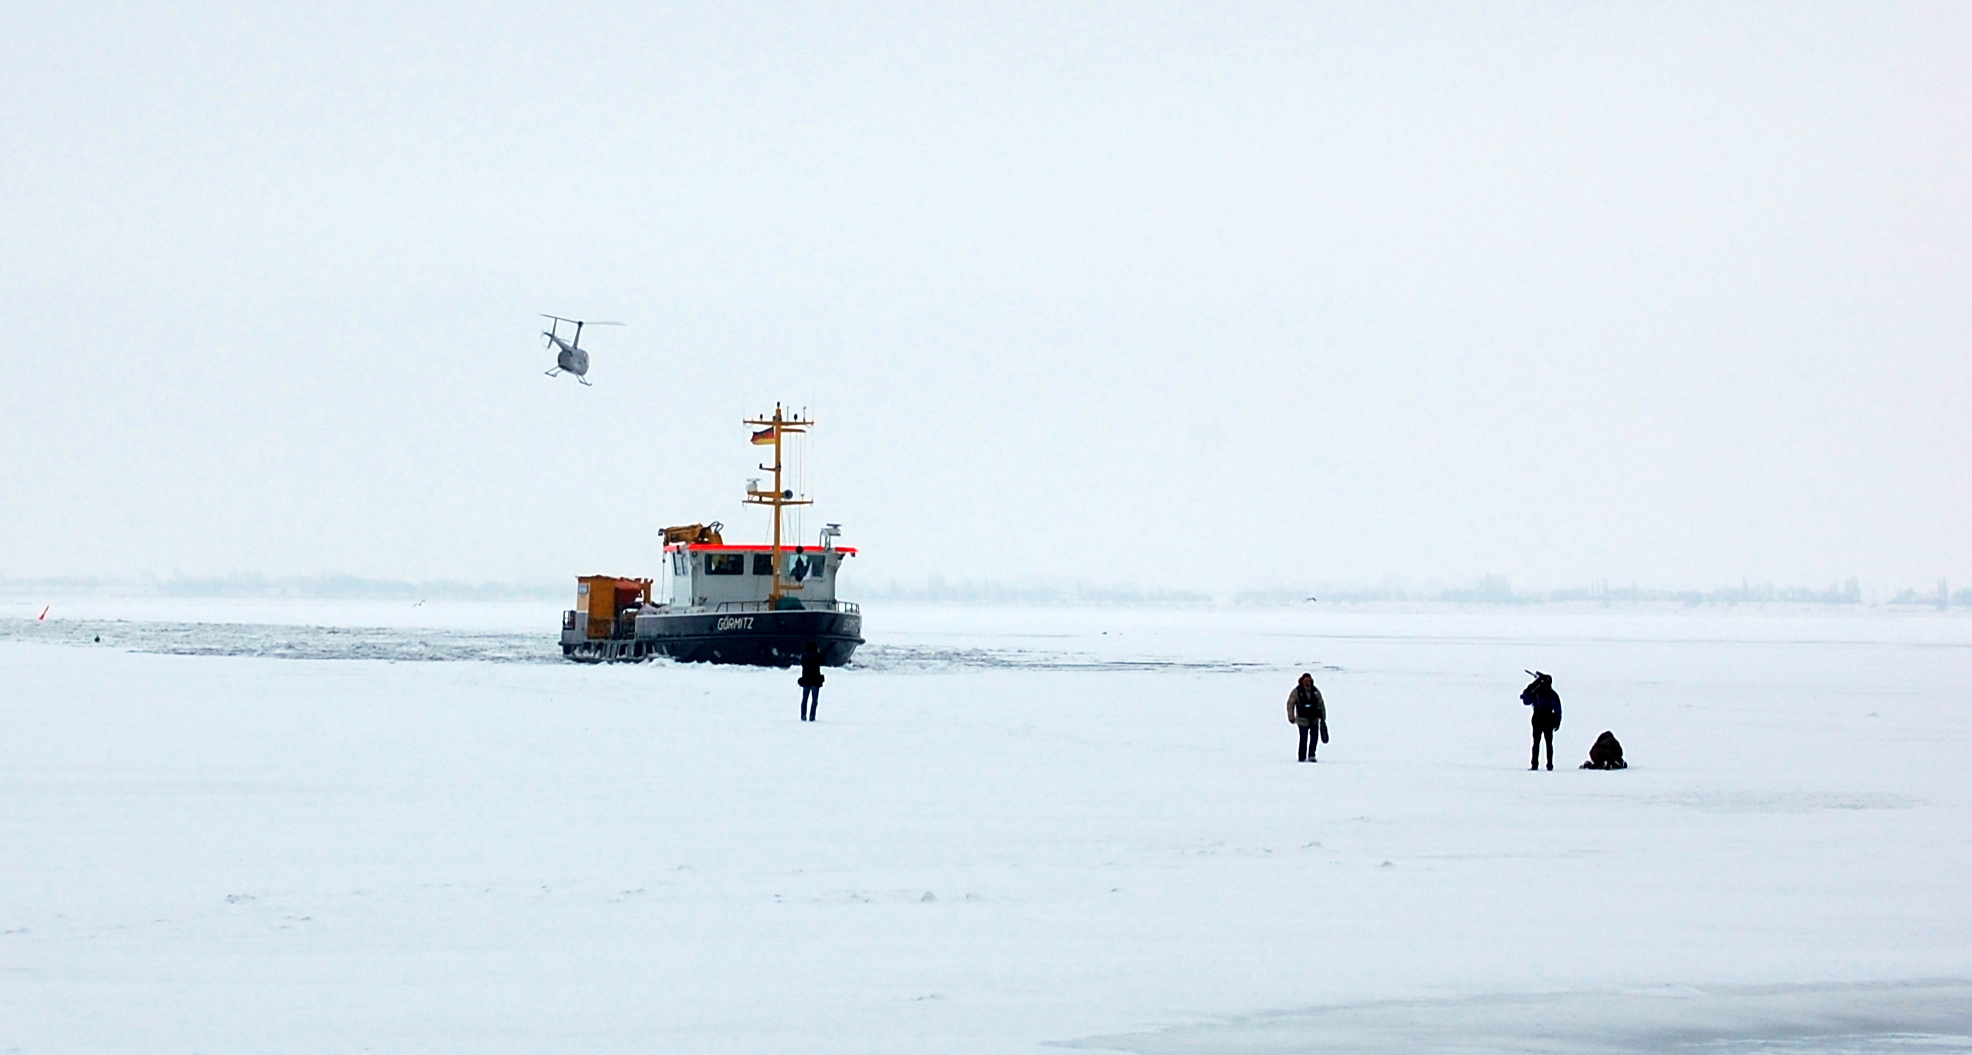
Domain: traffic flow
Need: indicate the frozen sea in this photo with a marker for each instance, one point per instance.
(286, 826)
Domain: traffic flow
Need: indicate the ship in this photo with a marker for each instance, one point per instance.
(757, 605)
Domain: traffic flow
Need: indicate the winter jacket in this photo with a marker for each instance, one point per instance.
(1606, 754)
(1545, 701)
(811, 672)
(1306, 708)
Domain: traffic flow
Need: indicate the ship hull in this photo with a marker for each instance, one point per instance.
(757, 639)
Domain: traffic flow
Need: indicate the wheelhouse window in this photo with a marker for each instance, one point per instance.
(804, 566)
(763, 564)
(725, 564)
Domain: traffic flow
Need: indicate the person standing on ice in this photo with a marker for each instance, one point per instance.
(811, 682)
(1306, 709)
(1546, 702)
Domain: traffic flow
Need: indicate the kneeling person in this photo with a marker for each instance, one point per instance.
(1606, 754)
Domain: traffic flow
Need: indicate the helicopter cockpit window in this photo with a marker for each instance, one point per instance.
(763, 564)
(725, 564)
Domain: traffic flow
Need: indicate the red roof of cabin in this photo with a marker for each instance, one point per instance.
(676, 546)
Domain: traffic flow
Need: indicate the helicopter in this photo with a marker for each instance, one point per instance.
(571, 357)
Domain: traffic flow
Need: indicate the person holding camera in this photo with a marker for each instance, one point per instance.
(1540, 695)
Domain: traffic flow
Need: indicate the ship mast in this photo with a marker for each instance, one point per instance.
(778, 426)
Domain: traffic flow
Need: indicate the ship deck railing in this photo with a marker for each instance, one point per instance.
(622, 628)
(725, 607)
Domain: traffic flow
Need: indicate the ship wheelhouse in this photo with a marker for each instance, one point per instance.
(703, 578)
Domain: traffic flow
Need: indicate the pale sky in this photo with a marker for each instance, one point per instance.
(1208, 296)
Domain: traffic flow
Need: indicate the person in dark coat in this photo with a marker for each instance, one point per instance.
(811, 682)
(1305, 708)
(1540, 695)
(1607, 753)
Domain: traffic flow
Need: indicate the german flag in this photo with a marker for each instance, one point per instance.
(765, 435)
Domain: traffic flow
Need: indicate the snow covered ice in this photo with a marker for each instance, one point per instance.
(1012, 830)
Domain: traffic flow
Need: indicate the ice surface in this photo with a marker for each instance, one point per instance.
(1011, 831)
(1843, 1019)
